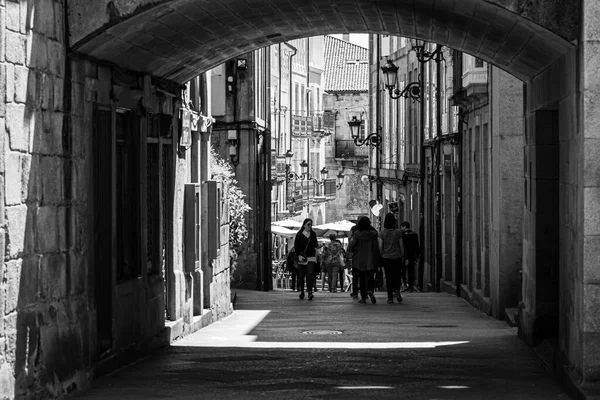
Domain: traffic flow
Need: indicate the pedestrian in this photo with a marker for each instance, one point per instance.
(351, 266)
(292, 266)
(306, 246)
(390, 240)
(410, 252)
(366, 257)
(332, 258)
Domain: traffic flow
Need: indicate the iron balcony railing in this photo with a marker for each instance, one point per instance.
(323, 122)
(327, 189)
(347, 149)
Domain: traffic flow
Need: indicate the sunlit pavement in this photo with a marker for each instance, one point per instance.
(275, 346)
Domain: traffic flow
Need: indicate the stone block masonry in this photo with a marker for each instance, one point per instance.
(37, 325)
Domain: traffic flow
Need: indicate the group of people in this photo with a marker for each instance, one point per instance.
(394, 250)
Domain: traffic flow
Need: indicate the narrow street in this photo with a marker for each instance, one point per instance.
(431, 346)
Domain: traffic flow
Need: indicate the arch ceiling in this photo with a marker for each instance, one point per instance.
(179, 39)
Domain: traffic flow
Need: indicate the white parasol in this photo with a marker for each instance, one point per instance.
(288, 223)
(281, 231)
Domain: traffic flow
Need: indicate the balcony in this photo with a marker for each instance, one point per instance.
(474, 87)
(347, 149)
(323, 123)
(327, 189)
(278, 169)
(301, 125)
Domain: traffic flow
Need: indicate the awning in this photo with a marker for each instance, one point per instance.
(340, 228)
(288, 223)
(281, 231)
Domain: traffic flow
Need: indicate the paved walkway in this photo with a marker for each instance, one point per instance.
(275, 346)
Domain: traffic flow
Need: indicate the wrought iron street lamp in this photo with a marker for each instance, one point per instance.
(390, 74)
(323, 173)
(290, 175)
(373, 139)
(340, 181)
(424, 55)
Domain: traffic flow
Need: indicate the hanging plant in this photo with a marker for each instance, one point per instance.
(222, 171)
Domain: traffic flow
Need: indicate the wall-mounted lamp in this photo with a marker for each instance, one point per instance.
(233, 142)
(340, 181)
(290, 175)
(304, 167)
(373, 139)
(241, 63)
(390, 74)
(323, 173)
(424, 55)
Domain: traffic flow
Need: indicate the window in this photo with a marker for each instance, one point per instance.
(478, 63)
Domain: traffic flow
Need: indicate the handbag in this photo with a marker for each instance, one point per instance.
(303, 253)
(342, 259)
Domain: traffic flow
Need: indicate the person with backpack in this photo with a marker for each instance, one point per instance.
(333, 259)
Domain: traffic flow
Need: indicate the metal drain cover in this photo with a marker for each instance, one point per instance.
(322, 332)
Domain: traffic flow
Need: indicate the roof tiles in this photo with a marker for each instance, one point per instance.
(346, 66)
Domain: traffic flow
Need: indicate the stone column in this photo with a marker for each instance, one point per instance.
(507, 191)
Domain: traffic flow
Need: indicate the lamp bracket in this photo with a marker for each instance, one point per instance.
(412, 91)
(424, 56)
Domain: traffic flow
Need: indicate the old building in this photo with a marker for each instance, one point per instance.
(451, 118)
(347, 97)
(242, 134)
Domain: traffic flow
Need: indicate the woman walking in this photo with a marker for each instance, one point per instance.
(365, 247)
(332, 257)
(390, 239)
(306, 246)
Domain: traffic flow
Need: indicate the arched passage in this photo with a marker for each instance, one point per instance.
(179, 39)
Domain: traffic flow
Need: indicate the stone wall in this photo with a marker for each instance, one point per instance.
(590, 169)
(552, 290)
(45, 317)
(48, 311)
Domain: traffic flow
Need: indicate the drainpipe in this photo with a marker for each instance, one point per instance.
(291, 97)
(422, 177)
(279, 144)
(438, 179)
(378, 149)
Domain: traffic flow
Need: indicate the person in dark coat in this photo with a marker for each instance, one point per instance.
(364, 245)
(410, 252)
(306, 246)
(292, 266)
(390, 239)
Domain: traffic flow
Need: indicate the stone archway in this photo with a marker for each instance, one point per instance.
(178, 39)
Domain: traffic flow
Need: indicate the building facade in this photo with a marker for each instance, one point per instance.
(346, 97)
(455, 142)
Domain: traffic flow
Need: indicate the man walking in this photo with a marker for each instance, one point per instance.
(410, 253)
